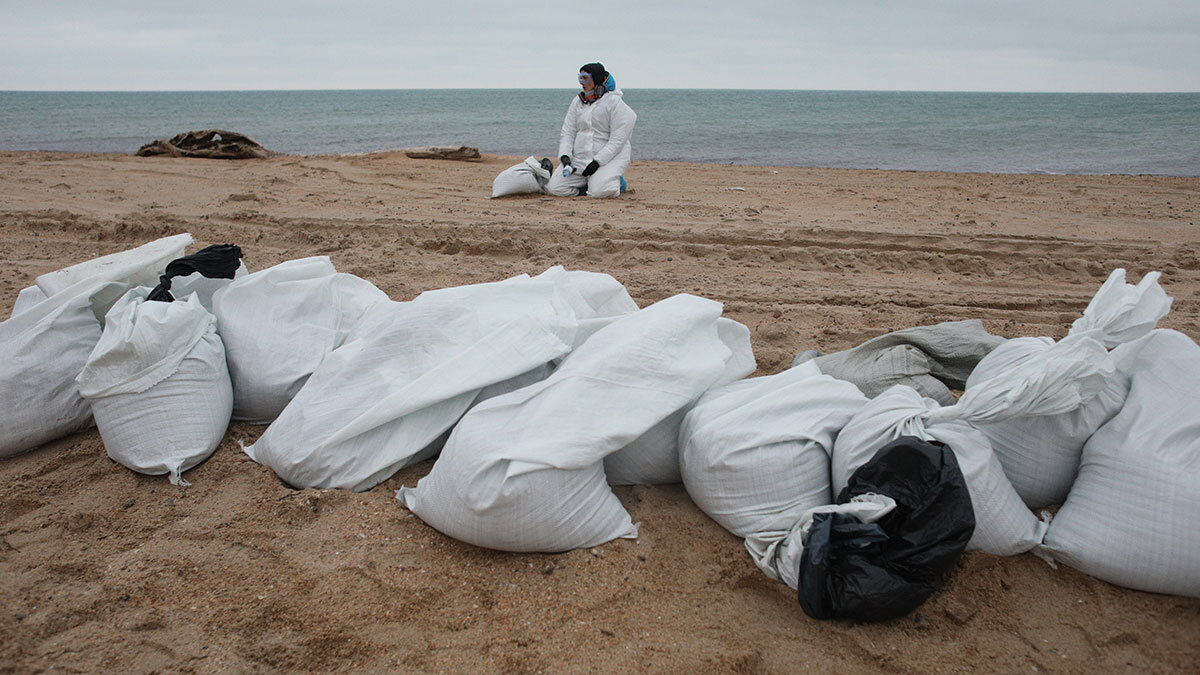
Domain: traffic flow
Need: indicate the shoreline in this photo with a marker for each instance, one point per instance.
(105, 569)
(517, 158)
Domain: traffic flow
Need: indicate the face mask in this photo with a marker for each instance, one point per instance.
(590, 96)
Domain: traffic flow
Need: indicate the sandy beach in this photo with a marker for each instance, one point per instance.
(102, 569)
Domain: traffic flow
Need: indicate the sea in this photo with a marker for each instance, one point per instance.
(942, 131)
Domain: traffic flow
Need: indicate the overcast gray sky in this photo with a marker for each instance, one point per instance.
(959, 45)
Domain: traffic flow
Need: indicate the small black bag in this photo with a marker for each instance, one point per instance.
(884, 570)
(219, 261)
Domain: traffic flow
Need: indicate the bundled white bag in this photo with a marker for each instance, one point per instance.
(524, 178)
(1040, 454)
(278, 324)
(44, 347)
(379, 402)
(525, 471)
(139, 266)
(1130, 518)
(756, 449)
(1051, 382)
(158, 384)
(653, 457)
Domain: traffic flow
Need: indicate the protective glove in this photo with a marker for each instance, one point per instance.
(590, 168)
(566, 160)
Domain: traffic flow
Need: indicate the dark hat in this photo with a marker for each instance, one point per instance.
(596, 70)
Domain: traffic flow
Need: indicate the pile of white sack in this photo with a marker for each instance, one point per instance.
(54, 326)
(87, 346)
(541, 392)
(525, 471)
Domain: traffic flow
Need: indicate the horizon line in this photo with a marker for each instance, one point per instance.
(352, 89)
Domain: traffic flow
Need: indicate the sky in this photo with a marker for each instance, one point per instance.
(921, 45)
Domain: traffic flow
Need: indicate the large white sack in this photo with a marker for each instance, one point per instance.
(525, 471)
(757, 449)
(527, 177)
(379, 402)
(1040, 454)
(278, 324)
(44, 347)
(158, 384)
(1130, 518)
(139, 266)
(28, 297)
(653, 457)
(1051, 382)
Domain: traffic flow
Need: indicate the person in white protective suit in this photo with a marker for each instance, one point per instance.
(594, 146)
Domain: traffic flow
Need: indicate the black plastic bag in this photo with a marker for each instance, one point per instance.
(219, 261)
(884, 570)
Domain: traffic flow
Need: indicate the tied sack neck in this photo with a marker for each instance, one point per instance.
(219, 261)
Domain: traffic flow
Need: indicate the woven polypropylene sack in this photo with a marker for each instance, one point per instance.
(407, 374)
(755, 449)
(525, 472)
(278, 324)
(44, 349)
(1040, 453)
(1130, 518)
(158, 385)
(653, 457)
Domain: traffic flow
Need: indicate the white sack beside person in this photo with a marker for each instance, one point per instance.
(528, 177)
(409, 371)
(653, 457)
(44, 348)
(158, 384)
(278, 324)
(525, 471)
(1130, 518)
(1051, 382)
(756, 449)
(1040, 454)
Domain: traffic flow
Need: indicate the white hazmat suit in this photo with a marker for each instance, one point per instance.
(598, 131)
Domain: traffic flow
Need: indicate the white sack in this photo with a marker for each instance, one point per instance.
(158, 384)
(139, 266)
(1130, 518)
(653, 457)
(525, 471)
(757, 449)
(28, 297)
(278, 324)
(524, 178)
(379, 402)
(44, 347)
(1040, 454)
(1050, 382)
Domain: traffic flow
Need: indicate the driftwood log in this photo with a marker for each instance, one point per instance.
(461, 153)
(209, 144)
